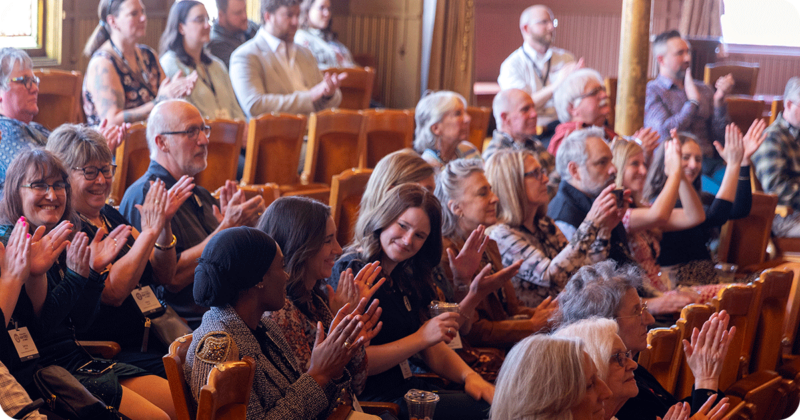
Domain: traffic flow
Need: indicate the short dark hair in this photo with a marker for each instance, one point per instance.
(222, 5)
(660, 42)
(273, 5)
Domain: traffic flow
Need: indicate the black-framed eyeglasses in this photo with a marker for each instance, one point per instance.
(90, 173)
(191, 132)
(43, 188)
(591, 93)
(537, 174)
(638, 313)
(622, 358)
(26, 81)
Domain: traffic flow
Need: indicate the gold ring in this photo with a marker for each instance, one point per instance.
(259, 213)
(347, 344)
(158, 201)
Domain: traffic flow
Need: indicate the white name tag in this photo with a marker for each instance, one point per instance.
(146, 300)
(405, 368)
(455, 343)
(23, 342)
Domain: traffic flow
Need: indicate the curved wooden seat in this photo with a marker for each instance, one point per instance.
(346, 191)
(132, 159)
(227, 392)
(178, 387)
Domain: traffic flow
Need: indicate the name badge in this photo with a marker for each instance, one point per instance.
(23, 342)
(405, 368)
(146, 300)
(456, 343)
(222, 113)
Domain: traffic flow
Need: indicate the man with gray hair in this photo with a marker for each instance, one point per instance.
(177, 137)
(536, 67)
(777, 161)
(587, 175)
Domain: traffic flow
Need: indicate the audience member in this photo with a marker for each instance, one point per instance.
(230, 30)
(525, 233)
(603, 290)
(14, 400)
(240, 276)
(777, 162)
(676, 101)
(124, 80)
(536, 67)
(182, 53)
(587, 176)
(62, 292)
(468, 206)
(394, 169)
(572, 388)
(178, 141)
(443, 129)
(688, 248)
(141, 264)
(305, 231)
(271, 73)
(404, 235)
(315, 34)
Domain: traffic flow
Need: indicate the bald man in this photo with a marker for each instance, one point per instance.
(177, 137)
(537, 67)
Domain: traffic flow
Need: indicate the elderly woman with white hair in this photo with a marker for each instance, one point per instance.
(582, 101)
(605, 291)
(442, 129)
(549, 378)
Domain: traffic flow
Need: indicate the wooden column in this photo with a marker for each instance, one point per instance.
(633, 63)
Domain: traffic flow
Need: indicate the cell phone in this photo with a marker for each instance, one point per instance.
(96, 367)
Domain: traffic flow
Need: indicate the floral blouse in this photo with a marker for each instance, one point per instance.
(645, 246)
(549, 259)
(300, 332)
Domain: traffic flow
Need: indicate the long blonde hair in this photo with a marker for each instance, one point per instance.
(394, 169)
(622, 151)
(505, 171)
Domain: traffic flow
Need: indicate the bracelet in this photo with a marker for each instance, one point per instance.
(744, 178)
(696, 103)
(168, 247)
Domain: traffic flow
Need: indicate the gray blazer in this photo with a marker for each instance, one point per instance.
(262, 85)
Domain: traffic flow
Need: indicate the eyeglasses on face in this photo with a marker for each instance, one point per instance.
(622, 357)
(43, 188)
(191, 132)
(536, 174)
(26, 81)
(90, 173)
(593, 92)
(638, 312)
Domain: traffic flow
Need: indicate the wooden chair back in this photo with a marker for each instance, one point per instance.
(478, 125)
(224, 147)
(178, 386)
(227, 392)
(133, 159)
(744, 241)
(611, 90)
(346, 191)
(356, 87)
(744, 74)
(775, 109)
(334, 144)
(269, 192)
(740, 303)
(744, 111)
(692, 316)
(772, 290)
(791, 322)
(274, 144)
(59, 97)
(660, 356)
(385, 131)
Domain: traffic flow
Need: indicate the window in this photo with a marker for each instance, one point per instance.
(762, 22)
(211, 8)
(20, 26)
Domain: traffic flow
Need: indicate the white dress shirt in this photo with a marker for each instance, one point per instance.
(286, 53)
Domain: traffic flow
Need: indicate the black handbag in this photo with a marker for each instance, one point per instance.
(68, 398)
(168, 327)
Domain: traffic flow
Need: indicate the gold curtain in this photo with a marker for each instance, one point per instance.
(701, 18)
(452, 64)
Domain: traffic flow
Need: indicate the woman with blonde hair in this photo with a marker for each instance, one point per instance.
(392, 170)
(524, 231)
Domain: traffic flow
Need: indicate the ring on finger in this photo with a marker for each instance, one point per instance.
(347, 344)
(115, 241)
(449, 331)
(158, 202)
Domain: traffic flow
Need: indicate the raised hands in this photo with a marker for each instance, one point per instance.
(177, 86)
(604, 212)
(45, 249)
(330, 355)
(153, 211)
(679, 411)
(104, 251)
(178, 194)
(79, 254)
(733, 152)
(672, 154)
(114, 134)
(327, 87)
(692, 93)
(724, 86)
(370, 318)
(235, 211)
(466, 263)
(440, 328)
(486, 283)
(648, 139)
(753, 139)
(706, 412)
(706, 352)
(352, 290)
(543, 312)
(15, 263)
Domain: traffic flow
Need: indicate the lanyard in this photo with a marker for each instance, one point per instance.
(536, 69)
(145, 78)
(209, 82)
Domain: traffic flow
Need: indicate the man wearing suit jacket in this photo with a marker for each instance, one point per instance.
(270, 73)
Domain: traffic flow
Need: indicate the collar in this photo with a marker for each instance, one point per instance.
(665, 82)
(507, 141)
(581, 199)
(155, 170)
(273, 41)
(218, 29)
(794, 131)
(535, 55)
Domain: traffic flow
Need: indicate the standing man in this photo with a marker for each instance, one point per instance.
(676, 101)
(536, 67)
(231, 29)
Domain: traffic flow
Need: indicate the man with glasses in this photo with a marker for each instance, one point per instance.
(177, 137)
(536, 67)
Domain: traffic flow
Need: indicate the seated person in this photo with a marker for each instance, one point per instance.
(240, 276)
(62, 292)
(525, 233)
(230, 30)
(603, 290)
(443, 129)
(777, 162)
(270, 73)
(182, 53)
(394, 169)
(124, 80)
(178, 141)
(547, 377)
(315, 34)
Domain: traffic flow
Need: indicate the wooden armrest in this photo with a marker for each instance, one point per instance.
(104, 349)
(340, 412)
(378, 407)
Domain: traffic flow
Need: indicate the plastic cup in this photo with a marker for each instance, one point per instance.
(437, 308)
(726, 272)
(421, 404)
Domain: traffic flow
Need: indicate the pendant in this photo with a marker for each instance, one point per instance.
(408, 304)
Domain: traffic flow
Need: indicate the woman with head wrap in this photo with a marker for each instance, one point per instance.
(240, 276)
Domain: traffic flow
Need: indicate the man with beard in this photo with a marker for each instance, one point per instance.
(587, 175)
(676, 101)
(536, 67)
(230, 30)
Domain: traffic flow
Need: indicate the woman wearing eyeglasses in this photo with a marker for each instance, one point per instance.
(182, 52)
(524, 232)
(145, 261)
